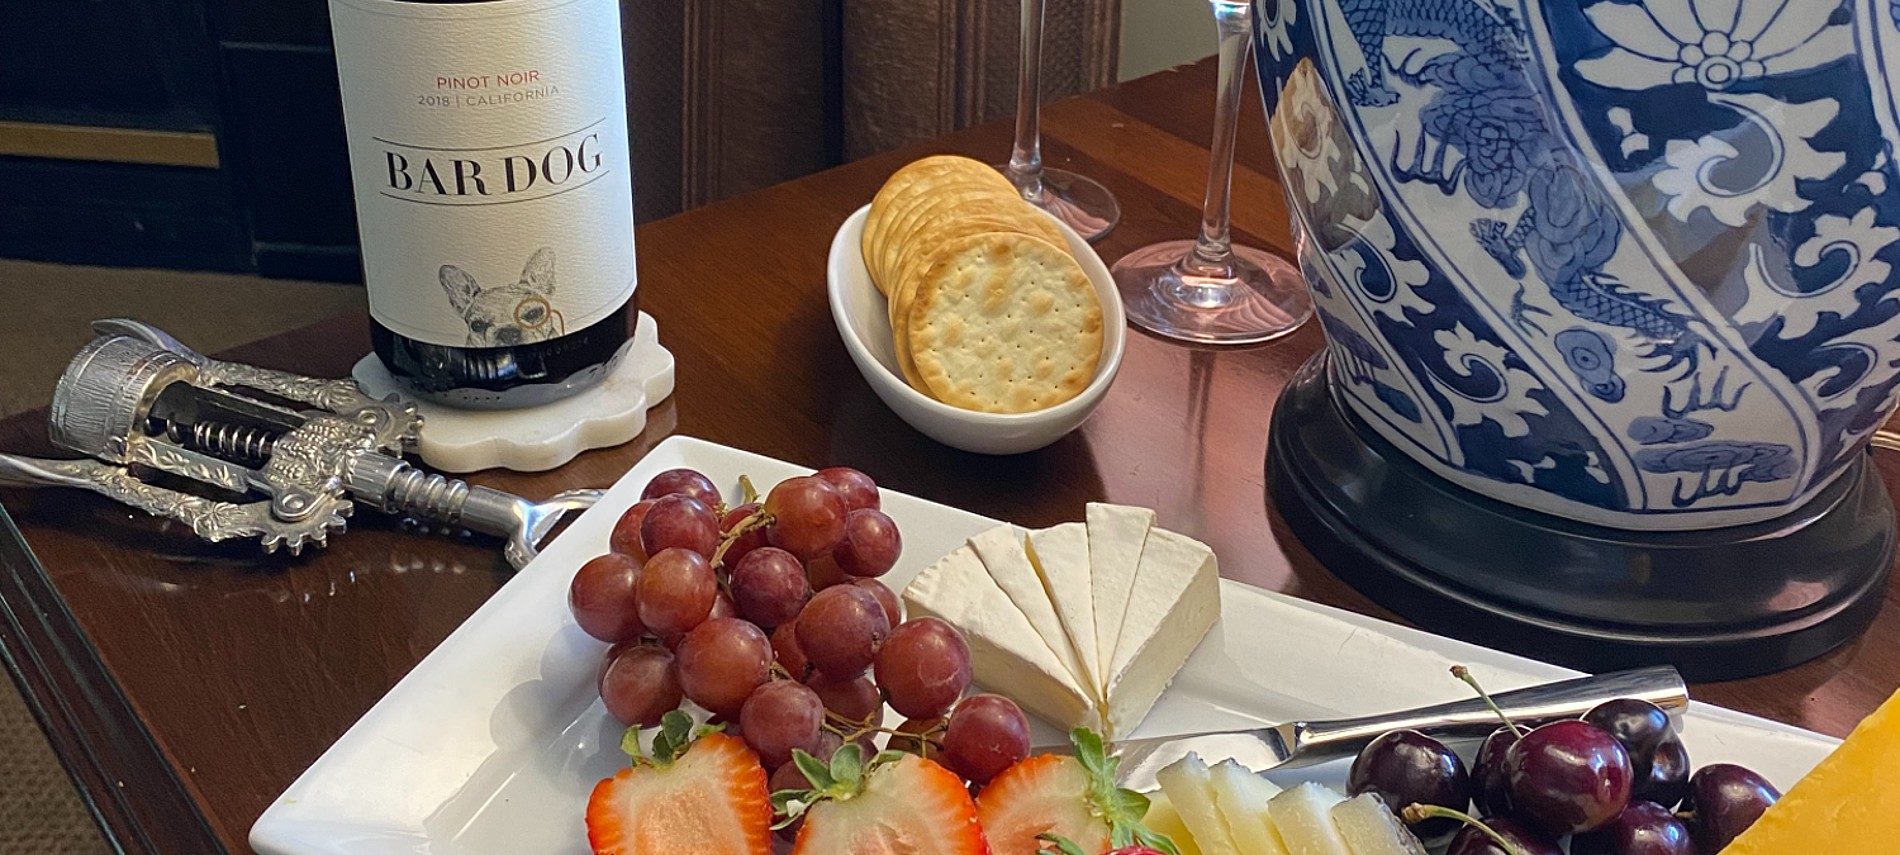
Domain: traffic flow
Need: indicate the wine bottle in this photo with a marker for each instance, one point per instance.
(494, 194)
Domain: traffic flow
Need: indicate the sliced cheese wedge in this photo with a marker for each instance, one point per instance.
(1061, 558)
(1369, 828)
(1174, 602)
(1190, 787)
(1116, 534)
(1163, 819)
(1007, 560)
(1006, 653)
(1243, 796)
(1305, 820)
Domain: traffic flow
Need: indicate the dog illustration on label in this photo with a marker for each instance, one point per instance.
(509, 315)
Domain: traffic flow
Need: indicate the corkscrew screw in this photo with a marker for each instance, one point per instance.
(236, 451)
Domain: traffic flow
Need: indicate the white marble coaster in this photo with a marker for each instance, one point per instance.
(537, 439)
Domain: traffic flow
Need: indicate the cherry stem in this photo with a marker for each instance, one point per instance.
(1417, 813)
(1463, 673)
(756, 520)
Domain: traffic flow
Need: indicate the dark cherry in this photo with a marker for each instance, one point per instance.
(1490, 782)
(1529, 841)
(1405, 767)
(1638, 725)
(1726, 800)
(1568, 776)
(1668, 781)
(1643, 828)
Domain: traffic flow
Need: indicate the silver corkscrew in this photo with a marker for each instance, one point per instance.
(254, 452)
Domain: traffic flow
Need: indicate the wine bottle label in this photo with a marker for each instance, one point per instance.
(488, 148)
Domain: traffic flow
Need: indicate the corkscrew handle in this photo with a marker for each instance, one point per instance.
(400, 488)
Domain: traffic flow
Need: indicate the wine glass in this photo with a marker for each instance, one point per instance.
(1207, 290)
(1081, 202)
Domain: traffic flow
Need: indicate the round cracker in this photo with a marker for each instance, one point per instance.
(897, 190)
(911, 211)
(962, 220)
(1005, 323)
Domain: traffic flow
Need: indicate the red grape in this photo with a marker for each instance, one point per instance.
(680, 521)
(987, 734)
(856, 699)
(780, 716)
(823, 572)
(924, 666)
(856, 488)
(910, 738)
(791, 657)
(676, 591)
(746, 542)
(682, 482)
(840, 630)
(625, 538)
(639, 685)
(721, 662)
(871, 544)
(601, 597)
(1568, 777)
(807, 516)
(893, 610)
(722, 607)
(769, 587)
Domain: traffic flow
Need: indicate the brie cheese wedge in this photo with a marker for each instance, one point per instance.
(1006, 653)
(1061, 557)
(1003, 554)
(1116, 534)
(1173, 603)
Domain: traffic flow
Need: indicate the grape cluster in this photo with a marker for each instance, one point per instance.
(1612, 781)
(771, 616)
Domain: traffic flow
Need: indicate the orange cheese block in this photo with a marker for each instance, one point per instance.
(1848, 804)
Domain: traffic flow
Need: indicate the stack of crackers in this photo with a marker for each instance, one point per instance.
(989, 311)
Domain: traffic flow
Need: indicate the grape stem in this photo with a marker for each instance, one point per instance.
(1463, 673)
(1417, 813)
(748, 492)
(757, 520)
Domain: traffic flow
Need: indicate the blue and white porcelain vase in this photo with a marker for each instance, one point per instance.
(1628, 262)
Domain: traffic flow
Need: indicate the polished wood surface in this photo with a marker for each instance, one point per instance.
(188, 685)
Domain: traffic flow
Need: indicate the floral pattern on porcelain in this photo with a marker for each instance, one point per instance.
(1624, 261)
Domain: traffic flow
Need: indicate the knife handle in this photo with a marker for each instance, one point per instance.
(1319, 741)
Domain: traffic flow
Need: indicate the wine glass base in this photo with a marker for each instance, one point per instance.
(1083, 203)
(1263, 299)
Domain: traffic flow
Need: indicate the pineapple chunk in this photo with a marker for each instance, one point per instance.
(1370, 828)
(1191, 788)
(1304, 817)
(1243, 796)
(1162, 818)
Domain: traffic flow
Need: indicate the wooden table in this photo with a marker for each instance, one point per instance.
(187, 686)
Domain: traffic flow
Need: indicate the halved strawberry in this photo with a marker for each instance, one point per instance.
(903, 805)
(710, 800)
(1043, 794)
(1048, 802)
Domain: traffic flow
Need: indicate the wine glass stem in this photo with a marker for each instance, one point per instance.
(1025, 158)
(1212, 253)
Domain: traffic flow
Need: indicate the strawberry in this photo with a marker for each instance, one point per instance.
(1066, 805)
(895, 804)
(1041, 794)
(702, 794)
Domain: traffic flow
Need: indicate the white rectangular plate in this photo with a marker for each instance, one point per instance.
(493, 742)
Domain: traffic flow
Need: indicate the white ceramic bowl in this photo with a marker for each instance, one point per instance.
(864, 323)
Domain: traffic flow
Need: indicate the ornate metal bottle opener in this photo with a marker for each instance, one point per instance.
(259, 465)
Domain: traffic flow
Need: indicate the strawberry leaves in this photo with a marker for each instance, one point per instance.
(675, 734)
(1056, 844)
(841, 779)
(1123, 809)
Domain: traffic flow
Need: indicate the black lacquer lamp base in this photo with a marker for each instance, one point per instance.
(1717, 604)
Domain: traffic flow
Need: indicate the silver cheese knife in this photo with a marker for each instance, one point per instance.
(1303, 743)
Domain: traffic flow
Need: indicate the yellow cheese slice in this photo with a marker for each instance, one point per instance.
(1164, 820)
(1849, 803)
